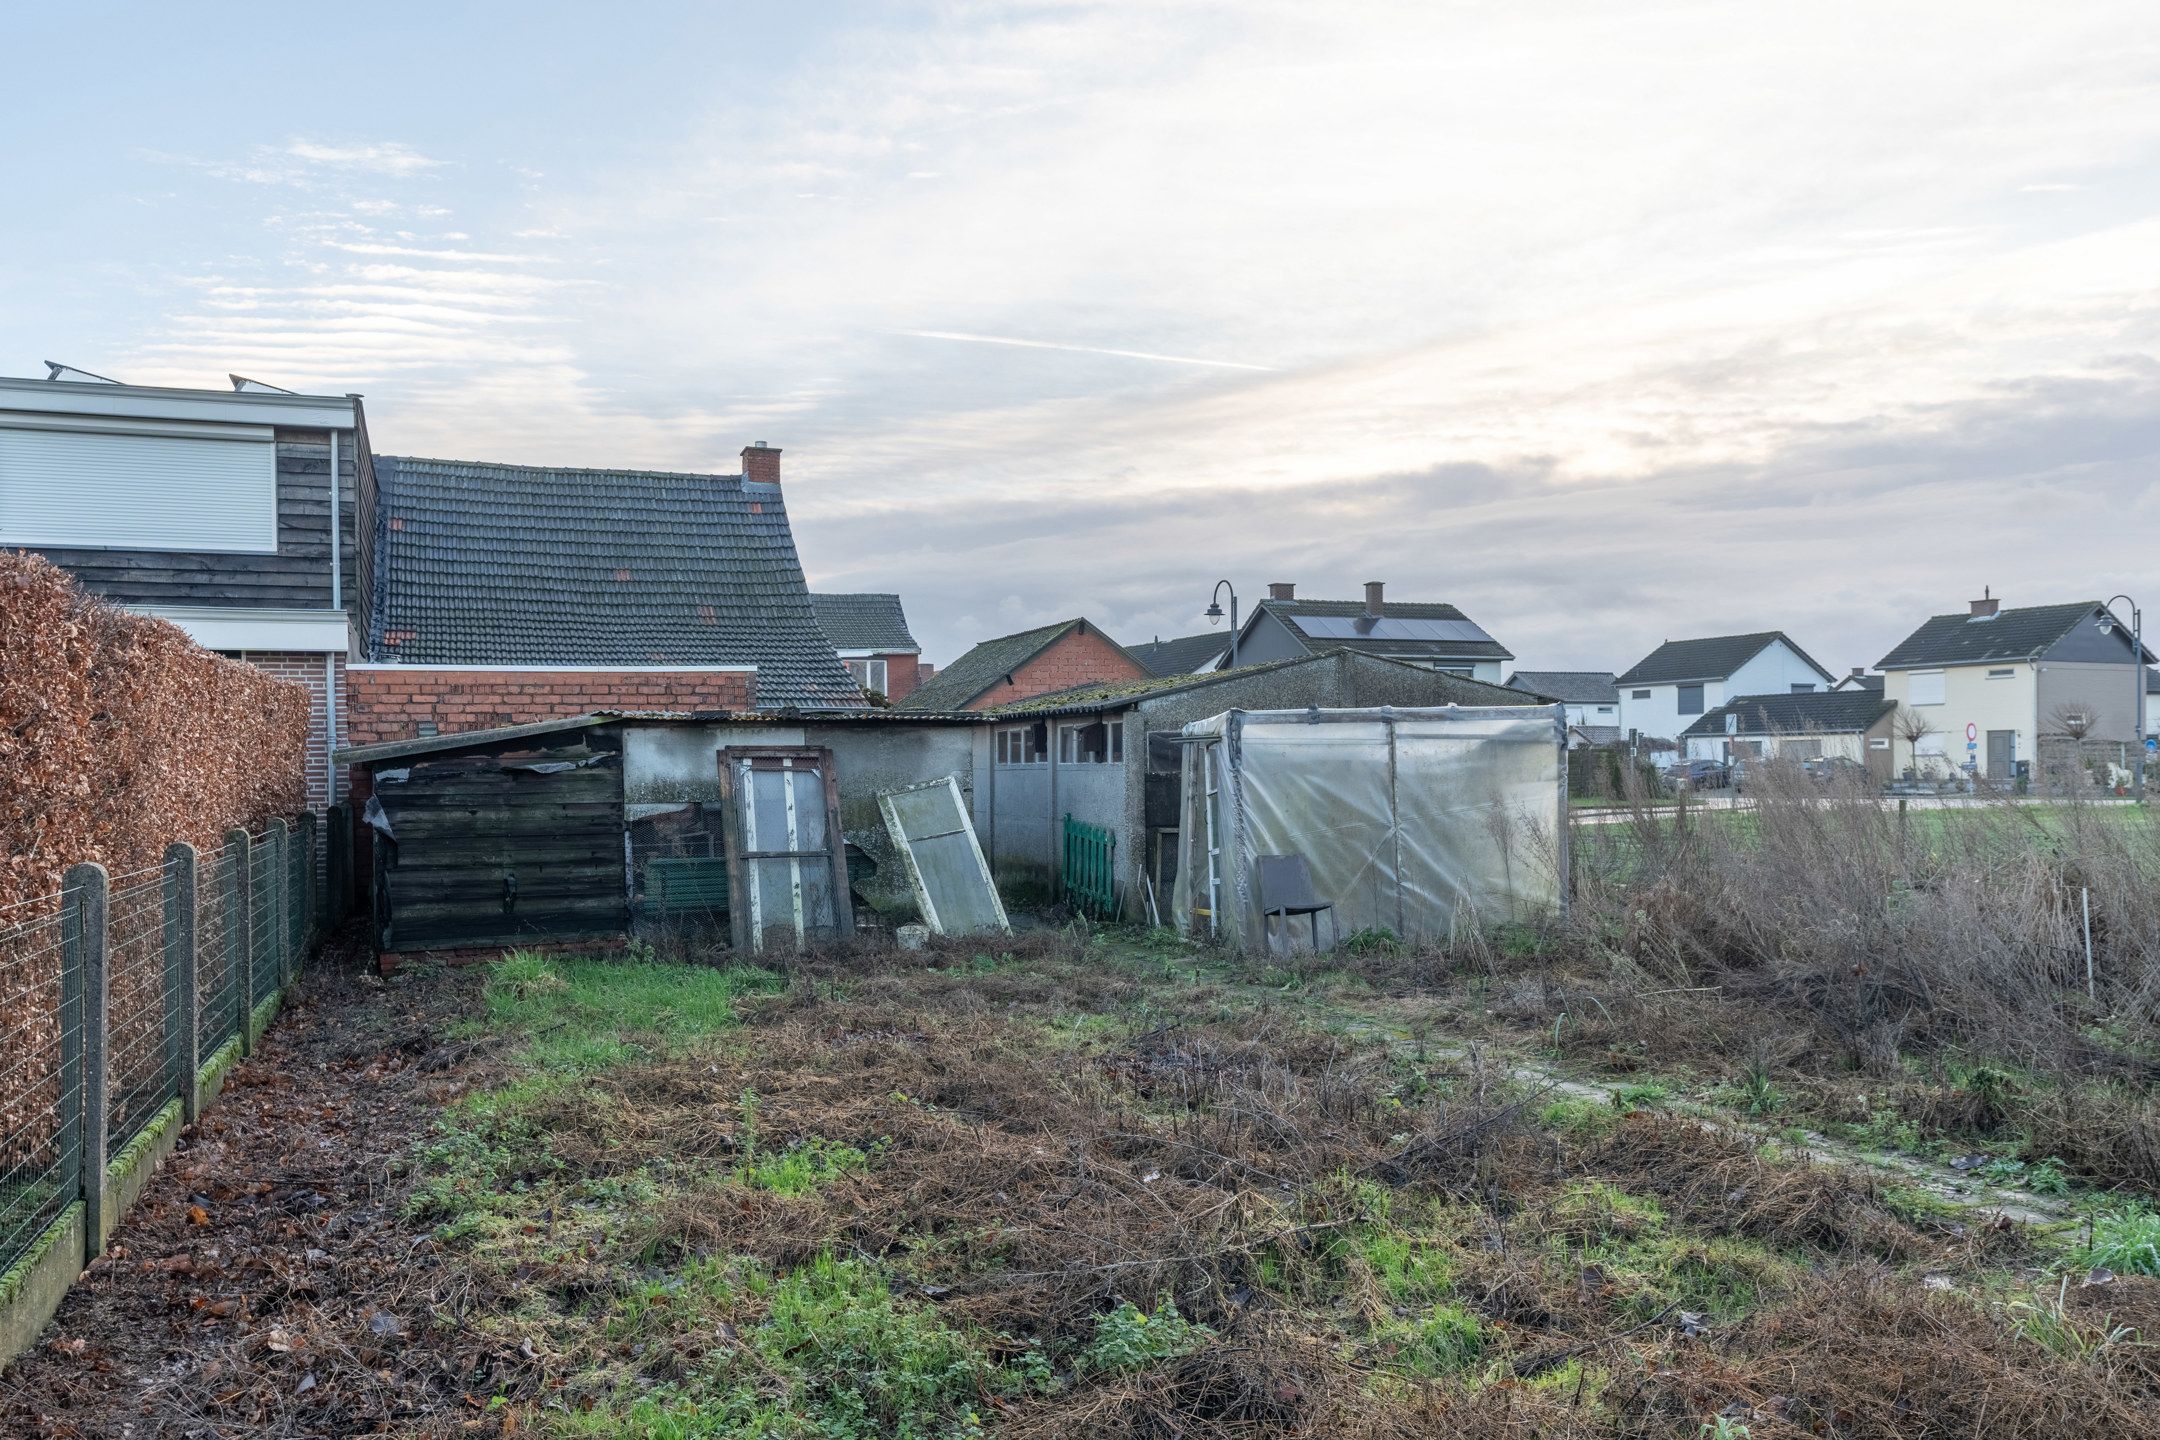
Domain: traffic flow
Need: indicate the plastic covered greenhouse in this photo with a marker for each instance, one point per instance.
(1418, 822)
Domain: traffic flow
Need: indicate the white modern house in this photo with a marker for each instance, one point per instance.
(1666, 691)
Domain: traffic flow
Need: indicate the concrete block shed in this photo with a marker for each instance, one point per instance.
(596, 826)
(1107, 756)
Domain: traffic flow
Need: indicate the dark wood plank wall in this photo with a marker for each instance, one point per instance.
(492, 851)
(297, 577)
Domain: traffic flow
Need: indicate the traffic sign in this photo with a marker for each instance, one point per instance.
(1972, 731)
(2152, 742)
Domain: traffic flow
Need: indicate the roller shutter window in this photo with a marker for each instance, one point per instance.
(1926, 688)
(139, 488)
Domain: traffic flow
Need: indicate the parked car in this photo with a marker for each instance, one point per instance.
(1837, 769)
(1697, 775)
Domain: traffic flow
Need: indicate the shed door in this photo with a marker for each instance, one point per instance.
(786, 856)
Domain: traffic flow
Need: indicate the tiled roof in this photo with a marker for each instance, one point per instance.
(1573, 687)
(1830, 711)
(480, 564)
(1410, 632)
(985, 665)
(1181, 656)
(865, 622)
(1713, 657)
(2019, 634)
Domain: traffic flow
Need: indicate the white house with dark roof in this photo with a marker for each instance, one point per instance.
(1591, 697)
(1992, 684)
(1663, 693)
(1848, 725)
(1428, 635)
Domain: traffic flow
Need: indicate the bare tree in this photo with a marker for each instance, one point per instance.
(1913, 727)
(2075, 721)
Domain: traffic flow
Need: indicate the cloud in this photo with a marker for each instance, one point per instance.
(380, 158)
(1079, 349)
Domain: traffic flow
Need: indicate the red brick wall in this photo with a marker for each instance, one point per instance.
(1079, 657)
(901, 677)
(305, 667)
(389, 702)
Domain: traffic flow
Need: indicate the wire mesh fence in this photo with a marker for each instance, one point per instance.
(137, 1059)
(265, 951)
(40, 1146)
(177, 952)
(220, 930)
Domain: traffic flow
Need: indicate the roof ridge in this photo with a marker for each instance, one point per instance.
(565, 469)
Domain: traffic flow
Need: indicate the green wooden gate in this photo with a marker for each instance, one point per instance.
(1090, 877)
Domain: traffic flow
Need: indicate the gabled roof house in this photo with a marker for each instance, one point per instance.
(1591, 698)
(1993, 684)
(1030, 662)
(870, 634)
(1662, 693)
(510, 593)
(1427, 634)
(1853, 725)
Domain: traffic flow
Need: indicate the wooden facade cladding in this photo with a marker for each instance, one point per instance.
(296, 577)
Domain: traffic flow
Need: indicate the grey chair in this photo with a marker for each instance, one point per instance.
(1285, 890)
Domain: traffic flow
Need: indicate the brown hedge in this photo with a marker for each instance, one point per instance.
(120, 735)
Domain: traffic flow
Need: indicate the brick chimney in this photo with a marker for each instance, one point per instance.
(1282, 590)
(1374, 597)
(761, 463)
(1986, 605)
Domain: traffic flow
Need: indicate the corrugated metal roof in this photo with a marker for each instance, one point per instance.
(494, 735)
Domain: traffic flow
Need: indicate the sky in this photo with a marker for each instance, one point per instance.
(1609, 324)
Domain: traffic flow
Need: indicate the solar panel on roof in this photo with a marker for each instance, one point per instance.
(1389, 627)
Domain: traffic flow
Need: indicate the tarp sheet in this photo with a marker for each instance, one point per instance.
(1412, 821)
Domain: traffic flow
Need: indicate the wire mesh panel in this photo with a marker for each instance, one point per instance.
(263, 893)
(299, 885)
(219, 927)
(138, 1077)
(38, 1093)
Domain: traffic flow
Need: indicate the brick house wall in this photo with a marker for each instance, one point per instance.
(315, 669)
(901, 676)
(389, 702)
(1078, 657)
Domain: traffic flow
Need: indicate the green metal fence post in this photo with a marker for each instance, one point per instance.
(240, 903)
(183, 1042)
(83, 936)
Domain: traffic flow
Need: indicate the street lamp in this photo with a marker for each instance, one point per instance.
(1214, 613)
(2137, 674)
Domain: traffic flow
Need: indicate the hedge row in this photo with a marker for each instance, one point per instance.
(120, 735)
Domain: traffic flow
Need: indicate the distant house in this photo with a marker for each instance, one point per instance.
(1859, 679)
(209, 508)
(1428, 635)
(1591, 697)
(870, 635)
(505, 594)
(1664, 692)
(1186, 655)
(1104, 754)
(1850, 725)
(1032, 662)
(1993, 684)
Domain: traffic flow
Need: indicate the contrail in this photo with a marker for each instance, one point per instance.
(1080, 349)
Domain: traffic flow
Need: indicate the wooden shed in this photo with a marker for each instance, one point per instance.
(515, 839)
